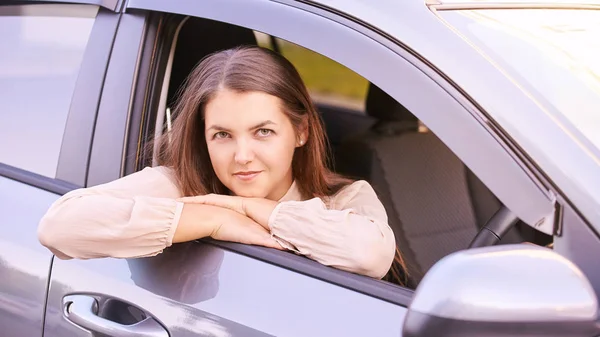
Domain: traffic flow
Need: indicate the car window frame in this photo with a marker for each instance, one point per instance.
(111, 129)
(276, 44)
(112, 5)
(148, 72)
(469, 112)
(76, 139)
(533, 204)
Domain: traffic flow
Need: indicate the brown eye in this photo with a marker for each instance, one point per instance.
(264, 132)
(221, 135)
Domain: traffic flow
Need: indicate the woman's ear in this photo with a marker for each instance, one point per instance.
(302, 133)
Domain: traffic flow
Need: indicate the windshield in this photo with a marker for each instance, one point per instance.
(552, 54)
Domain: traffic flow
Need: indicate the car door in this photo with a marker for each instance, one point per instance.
(42, 54)
(210, 288)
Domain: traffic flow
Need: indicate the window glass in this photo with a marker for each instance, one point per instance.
(327, 81)
(557, 59)
(41, 48)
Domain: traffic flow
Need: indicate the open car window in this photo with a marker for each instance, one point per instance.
(435, 204)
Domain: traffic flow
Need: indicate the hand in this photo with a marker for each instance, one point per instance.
(230, 202)
(199, 221)
(258, 209)
(240, 228)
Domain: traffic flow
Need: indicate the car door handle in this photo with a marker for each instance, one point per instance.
(82, 310)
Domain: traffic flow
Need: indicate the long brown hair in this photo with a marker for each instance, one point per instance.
(247, 69)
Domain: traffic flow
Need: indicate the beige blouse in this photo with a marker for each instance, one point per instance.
(137, 215)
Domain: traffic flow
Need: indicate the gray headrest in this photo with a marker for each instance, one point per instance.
(383, 107)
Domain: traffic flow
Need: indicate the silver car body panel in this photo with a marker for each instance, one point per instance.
(24, 263)
(200, 289)
(77, 140)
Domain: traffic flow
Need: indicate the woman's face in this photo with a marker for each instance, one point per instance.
(251, 143)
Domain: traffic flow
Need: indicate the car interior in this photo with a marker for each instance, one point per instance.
(435, 204)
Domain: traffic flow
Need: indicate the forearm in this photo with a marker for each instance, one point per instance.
(91, 226)
(337, 238)
(129, 217)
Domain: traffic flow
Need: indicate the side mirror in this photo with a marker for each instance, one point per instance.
(508, 290)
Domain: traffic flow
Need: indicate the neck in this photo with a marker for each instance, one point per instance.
(282, 189)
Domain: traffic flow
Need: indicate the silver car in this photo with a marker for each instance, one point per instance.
(479, 129)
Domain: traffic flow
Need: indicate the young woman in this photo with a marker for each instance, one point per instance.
(244, 162)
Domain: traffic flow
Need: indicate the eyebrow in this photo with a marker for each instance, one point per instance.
(257, 126)
(262, 124)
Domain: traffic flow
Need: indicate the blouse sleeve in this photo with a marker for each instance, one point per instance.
(351, 234)
(133, 216)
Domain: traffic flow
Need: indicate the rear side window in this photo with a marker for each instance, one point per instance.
(41, 49)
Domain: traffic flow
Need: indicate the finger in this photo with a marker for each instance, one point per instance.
(256, 236)
(203, 197)
(268, 242)
(204, 200)
(259, 236)
(216, 200)
(276, 245)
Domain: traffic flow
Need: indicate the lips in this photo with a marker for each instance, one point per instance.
(246, 175)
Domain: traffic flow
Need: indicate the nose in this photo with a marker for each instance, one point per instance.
(243, 152)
